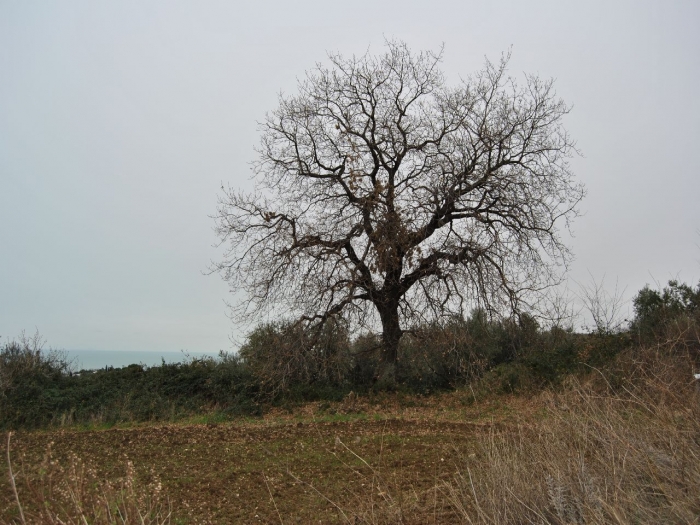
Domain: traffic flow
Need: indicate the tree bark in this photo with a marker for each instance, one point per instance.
(391, 335)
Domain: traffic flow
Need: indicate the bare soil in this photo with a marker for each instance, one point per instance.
(320, 463)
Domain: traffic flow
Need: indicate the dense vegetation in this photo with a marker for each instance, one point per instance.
(280, 364)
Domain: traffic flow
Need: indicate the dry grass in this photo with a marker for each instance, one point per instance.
(624, 449)
(73, 494)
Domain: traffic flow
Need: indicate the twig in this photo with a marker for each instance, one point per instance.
(544, 520)
(12, 480)
(476, 499)
(320, 494)
(272, 498)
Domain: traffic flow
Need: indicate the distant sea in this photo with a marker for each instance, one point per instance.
(95, 359)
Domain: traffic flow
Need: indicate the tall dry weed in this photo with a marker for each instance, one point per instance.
(623, 447)
(72, 493)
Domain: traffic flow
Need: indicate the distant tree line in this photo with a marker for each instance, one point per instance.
(282, 363)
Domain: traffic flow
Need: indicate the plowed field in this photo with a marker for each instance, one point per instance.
(318, 465)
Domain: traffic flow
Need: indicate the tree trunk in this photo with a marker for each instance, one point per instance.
(391, 335)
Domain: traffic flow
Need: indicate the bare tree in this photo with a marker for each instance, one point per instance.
(603, 305)
(384, 195)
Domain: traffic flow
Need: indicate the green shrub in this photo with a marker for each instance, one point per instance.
(39, 389)
(286, 363)
(655, 311)
(30, 381)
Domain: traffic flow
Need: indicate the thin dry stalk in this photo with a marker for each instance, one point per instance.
(321, 494)
(76, 496)
(12, 480)
(385, 502)
(274, 503)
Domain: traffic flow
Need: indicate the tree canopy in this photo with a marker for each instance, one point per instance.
(388, 197)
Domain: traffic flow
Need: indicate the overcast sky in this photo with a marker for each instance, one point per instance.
(120, 121)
